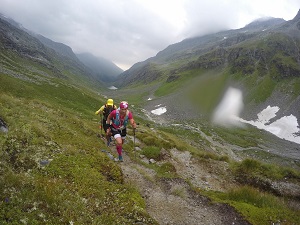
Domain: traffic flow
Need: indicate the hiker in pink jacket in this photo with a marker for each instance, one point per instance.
(118, 120)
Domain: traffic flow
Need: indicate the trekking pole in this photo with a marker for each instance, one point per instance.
(102, 125)
(134, 143)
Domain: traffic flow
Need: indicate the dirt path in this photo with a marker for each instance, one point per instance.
(172, 201)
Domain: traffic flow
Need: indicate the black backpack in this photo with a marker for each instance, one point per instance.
(107, 111)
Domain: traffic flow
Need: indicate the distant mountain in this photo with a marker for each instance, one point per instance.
(85, 64)
(40, 53)
(11, 21)
(101, 69)
(96, 68)
(187, 50)
(104, 69)
(58, 47)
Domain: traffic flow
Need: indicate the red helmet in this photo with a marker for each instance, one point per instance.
(124, 105)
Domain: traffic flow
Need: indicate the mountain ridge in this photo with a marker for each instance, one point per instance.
(101, 67)
(261, 59)
(186, 48)
(107, 71)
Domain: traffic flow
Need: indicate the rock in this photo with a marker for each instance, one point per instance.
(3, 126)
(152, 161)
(110, 156)
(164, 154)
(137, 148)
(44, 162)
(286, 188)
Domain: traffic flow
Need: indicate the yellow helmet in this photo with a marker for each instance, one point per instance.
(110, 102)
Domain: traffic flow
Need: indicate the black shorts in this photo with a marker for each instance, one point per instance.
(115, 131)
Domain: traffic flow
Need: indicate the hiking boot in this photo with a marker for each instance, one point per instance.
(108, 143)
(120, 158)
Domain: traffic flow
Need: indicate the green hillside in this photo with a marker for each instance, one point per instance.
(55, 122)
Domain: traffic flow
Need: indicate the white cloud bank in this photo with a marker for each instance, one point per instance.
(131, 31)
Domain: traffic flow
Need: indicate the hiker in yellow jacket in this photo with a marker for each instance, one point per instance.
(104, 111)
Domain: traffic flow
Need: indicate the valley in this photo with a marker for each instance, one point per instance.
(182, 168)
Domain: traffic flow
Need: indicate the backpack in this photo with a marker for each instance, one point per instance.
(107, 111)
(116, 121)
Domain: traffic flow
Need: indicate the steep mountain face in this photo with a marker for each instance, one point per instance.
(206, 47)
(58, 47)
(42, 56)
(100, 68)
(57, 57)
(103, 69)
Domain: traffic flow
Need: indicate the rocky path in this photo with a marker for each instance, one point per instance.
(172, 201)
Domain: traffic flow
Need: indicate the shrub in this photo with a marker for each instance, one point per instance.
(166, 170)
(152, 141)
(151, 152)
(262, 208)
(252, 196)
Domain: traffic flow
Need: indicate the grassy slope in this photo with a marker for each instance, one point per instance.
(53, 120)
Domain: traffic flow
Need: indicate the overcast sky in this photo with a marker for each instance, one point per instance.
(129, 31)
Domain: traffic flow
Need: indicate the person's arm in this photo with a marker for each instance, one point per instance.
(133, 124)
(131, 120)
(99, 110)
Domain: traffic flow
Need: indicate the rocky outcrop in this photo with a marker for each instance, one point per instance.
(276, 55)
(3, 126)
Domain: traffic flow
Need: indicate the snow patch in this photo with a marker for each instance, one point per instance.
(159, 111)
(285, 128)
(227, 113)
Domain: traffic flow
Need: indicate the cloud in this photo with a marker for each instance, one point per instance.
(129, 31)
(229, 109)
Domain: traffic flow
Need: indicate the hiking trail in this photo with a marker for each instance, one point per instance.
(172, 200)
